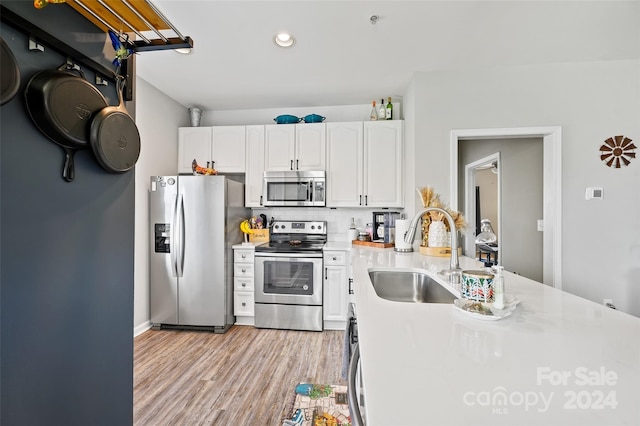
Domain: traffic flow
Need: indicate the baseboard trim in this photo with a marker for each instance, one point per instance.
(141, 328)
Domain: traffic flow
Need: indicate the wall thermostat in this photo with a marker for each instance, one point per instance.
(594, 193)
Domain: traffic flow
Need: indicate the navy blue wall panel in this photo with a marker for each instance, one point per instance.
(66, 259)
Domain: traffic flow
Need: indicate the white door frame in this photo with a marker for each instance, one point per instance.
(552, 187)
(470, 199)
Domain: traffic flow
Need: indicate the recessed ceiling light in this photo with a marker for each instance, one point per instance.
(284, 40)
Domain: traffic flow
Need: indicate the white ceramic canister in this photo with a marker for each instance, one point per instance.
(437, 234)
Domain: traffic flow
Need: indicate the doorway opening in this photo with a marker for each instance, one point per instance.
(482, 202)
(552, 184)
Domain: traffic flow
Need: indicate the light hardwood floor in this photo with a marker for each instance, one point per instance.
(243, 377)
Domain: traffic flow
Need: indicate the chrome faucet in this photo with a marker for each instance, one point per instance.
(454, 272)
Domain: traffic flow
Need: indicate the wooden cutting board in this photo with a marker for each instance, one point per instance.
(371, 244)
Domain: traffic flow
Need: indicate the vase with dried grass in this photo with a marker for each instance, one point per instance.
(431, 199)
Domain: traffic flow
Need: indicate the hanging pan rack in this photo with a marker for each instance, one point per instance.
(139, 17)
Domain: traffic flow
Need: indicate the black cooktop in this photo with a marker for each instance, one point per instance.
(295, 236)
(291, 247)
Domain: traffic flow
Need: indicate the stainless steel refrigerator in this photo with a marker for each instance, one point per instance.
(194, 221)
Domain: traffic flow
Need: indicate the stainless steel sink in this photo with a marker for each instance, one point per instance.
(409, 286)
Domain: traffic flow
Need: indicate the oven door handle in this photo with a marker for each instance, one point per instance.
(352, 392)
(290, 255)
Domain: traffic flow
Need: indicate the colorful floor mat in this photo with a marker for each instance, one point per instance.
(319, 405)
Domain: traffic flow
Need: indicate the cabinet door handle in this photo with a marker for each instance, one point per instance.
(244, 304)
(350, 285)
(261, 200)
(213, 164)
(244, 284)
(291, 166)
(244, 256)
(244, 270)
(335, 258)
(297, 164)
(360, 199)
(366, 200)
(325, 273)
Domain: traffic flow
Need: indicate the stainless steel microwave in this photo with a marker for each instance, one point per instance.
(294, 189)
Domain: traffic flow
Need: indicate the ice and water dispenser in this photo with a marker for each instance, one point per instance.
(162, 241)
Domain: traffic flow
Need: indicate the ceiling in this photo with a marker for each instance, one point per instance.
(340, 58)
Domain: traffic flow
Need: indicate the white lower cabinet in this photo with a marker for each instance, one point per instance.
(336, 289)
(243, 285)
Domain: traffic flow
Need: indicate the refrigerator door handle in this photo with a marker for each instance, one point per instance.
(175, 237)
(181, 224)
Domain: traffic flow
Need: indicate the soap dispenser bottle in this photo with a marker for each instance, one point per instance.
(353, 232)
(498, 288)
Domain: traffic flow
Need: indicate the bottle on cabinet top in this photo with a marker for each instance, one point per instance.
(389, 112)
(374, 112)
(382, 111)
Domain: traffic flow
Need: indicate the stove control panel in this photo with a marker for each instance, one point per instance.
(318, 227)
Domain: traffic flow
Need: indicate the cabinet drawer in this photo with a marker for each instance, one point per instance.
(243, 284)
(243, 256)
(335, 258)
(242, 270)
(243, 304)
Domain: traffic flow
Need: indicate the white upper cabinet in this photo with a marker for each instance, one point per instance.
(222, 146)
(295, 147)
(344, 164)
(255, 166)
(194, 143)
(228, 148)
(310, 146)
(364, 164)
(383, 172)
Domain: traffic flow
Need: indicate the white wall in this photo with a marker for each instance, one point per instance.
(266, 116)
(591, 102)
(158, 118)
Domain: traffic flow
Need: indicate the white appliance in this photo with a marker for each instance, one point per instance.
(194, 221)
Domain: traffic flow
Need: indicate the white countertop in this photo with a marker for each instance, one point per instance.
(557, 360)
(337, 245)
(248, 245)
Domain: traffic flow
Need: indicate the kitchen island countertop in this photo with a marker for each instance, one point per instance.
(557, 360)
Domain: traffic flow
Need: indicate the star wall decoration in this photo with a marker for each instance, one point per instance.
(617, 150)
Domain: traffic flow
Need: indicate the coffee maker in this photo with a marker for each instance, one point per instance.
(384, 226)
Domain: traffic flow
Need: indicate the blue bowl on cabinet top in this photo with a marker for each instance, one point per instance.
(313, 118)
(287, 119)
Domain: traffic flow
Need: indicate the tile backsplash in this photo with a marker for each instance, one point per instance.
(338, 219)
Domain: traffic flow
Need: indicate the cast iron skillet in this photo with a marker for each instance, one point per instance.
(61, 105)
(10, 73)
(114, 136)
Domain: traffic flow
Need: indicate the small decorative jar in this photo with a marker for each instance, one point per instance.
(477, 285)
